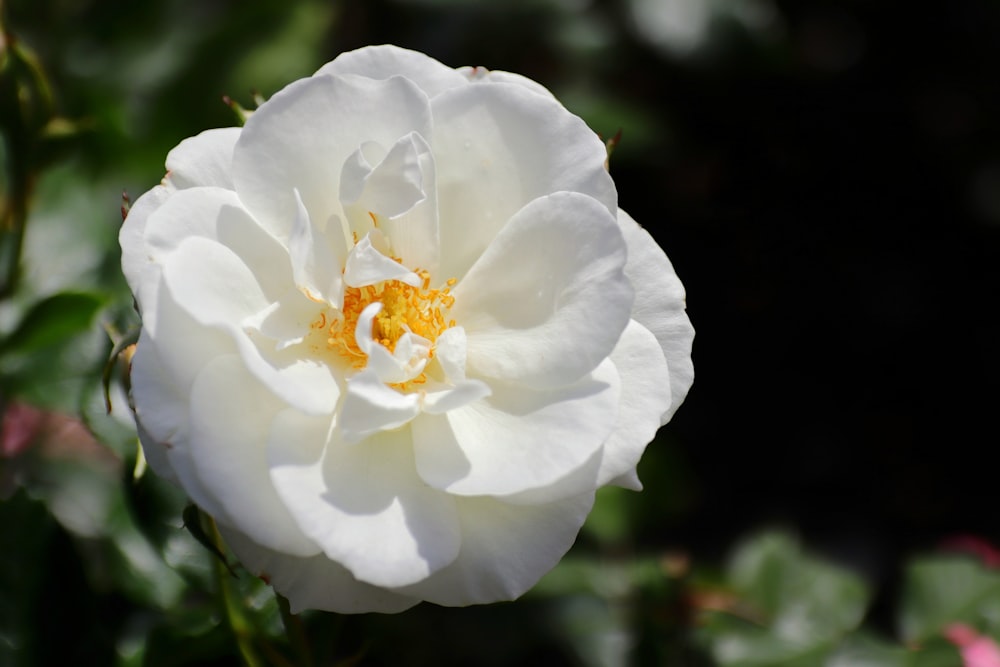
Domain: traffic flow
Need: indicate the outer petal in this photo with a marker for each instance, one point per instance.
(230, 418)
(497, 148)
(384, 62)
(483, 75)
(548, 300)
(218, 215)
(364, 504)
(205, 159)
(314, 583)
(645, 396)
(519, 438)
(304, 134)
(164, 369)
(141, 274)
(505, 549)
(164, 430)
(659, 306)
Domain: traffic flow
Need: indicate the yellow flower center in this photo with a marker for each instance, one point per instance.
(418, 310)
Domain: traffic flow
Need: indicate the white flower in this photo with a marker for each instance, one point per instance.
(396, 332)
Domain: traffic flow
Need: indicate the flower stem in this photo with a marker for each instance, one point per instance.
(295, 630)
(232, 606)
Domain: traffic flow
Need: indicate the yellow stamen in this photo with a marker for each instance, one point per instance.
(405, 308)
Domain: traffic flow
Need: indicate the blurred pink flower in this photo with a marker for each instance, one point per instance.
(977, 650)
(974, 546)
(19, 428)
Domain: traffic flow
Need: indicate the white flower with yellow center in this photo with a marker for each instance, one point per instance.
(396, 332)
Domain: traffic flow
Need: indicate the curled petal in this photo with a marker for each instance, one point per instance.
(548, 300)
(314, 258)
(367, 266)
(370, 406)
(390, 188)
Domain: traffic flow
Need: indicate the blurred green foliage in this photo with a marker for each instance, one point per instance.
(95, 565)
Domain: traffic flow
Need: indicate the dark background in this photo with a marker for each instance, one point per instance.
(825, 178)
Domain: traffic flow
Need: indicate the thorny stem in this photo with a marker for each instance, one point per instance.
(232, 606)
(23, 90)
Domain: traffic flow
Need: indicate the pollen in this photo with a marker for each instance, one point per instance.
(405, 308)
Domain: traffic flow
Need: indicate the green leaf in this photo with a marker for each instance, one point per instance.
(866, 651)
(804, 598)
(739, 642)
(789, 608)
(943, 590)
(937, 652)
(52, 321)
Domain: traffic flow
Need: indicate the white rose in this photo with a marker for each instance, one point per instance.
(396, 332)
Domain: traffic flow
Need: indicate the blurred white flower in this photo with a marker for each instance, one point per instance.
(396, 332)
(685, 27)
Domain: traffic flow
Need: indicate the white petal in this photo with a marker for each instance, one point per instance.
(215, 288)
(629, 480)
(164, 428)
(370, 406)
(315, 582)
(464, 392)
(231, 416)
(450, 351)
(498, 147)
(645, 396)
(363, 504)
(659, 306)
(519, 438)
(389, 189)
(287, 321)
(414, 234)
(367, 266)
(155, 453)
(548, 300)
(205, 159)
(209, 281)
(505, 550)
(483, 75)
(316, 258)
(304, 382)
(141, 272)
(218, 215)
(385, 61)
(301, 137)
